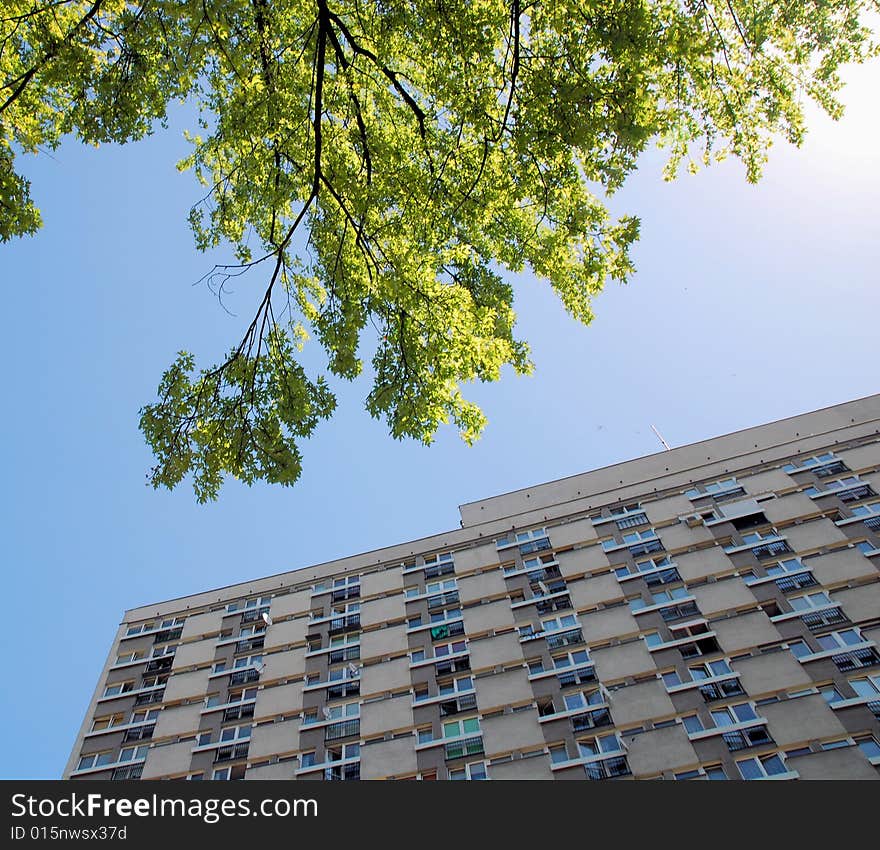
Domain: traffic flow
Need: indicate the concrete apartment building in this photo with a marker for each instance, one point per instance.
(712, 612)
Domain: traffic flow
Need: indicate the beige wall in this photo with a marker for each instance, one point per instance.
(621, 662)
(389, 758)
(178, 720)
(187, 685)
(387, 676)
(813, 535)
(484, 555)
(859, 603)
(197, 625)
(537, 767)
(517, 731)
(580, 561)
(274, 739)
(291, 603)
(288, 632)
(726, 595)
(846, 763)
(766, 482)
(484, 618)
(570, 533)
(382, 610)
(168, 760)
(840, 566)
(788, 507)
(764, 674)
(279, 770)
(383, 581)
(682, 536)
(280, 665)
(797, 721)
(672, 507)
(501, 689)
(590, 592)
(639, 702)
(387, 715)
(745, 630)
(861, 457)
(660, 749)
(381, 642)
(281, 699)
(484, 586)
(707, 562)
(190, 654)
(604, 624)
(501, 649)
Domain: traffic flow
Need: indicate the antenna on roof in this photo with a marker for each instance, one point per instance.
(665, 444)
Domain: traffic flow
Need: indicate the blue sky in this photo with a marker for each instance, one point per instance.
(750, 303)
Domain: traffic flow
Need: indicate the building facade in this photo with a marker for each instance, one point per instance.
(712, 611)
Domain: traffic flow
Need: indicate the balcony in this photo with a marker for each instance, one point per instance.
(608, 768)
(244, 677)
(348, 623)
(447, 630)
(253, 616)
(594, 719)
(855, 659)
(149, 698)
(797, 581)
(239, 712)
(676, 612)
(556, 640)
(442, 599)
(159, 665)
(341, 594)
(346, 772)
(168, 634)
(350, 688)
(343, 729)
(744, 739)
(631, 521)
(444, 568)
(231, 752)
(451, 707)
(721, 690)
(139, 733)
(127, 773)
(458, 664)
(577, 676)
(465, 747)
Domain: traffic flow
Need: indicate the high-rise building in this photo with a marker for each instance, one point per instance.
(708, 612)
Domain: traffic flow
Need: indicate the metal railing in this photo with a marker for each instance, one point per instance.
(856, 659)
(556, 640)
(441, 599)
(579, 676)
(796, 582)
(590, 720)
(770, 550)
(234, 751)
(244, 677)
(721, 690)
(168, 634)
(348, 623)
(141, 733)
(608, 768)
(467, 747)
(343, 729)
(819, 619)
(676, 612)
(150, 698)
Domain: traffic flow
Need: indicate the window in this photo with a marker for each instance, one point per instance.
(688, 774)
(831, 694)
(869, 747)
(600, 745)
(869, 686)
(145, 716)
(671, 679)
(653, 639)
(535, 540)
(835, 745)
(247, 661)
(558, 754)
(242, 605)
(459, 728)
(339, 712)
(417, 655)
(133, 754)
(732, 714)
(568, 621)
(713, 489)
(692, 723)
(95, 760)
(443, 649)
(842, 639)
(107, 721)
(809, 600)
(865, 548)
(715, 772)
(761, 767)
(128, 657)
(457, 686)
(473, 771)
(235, 733)
(799, 649)
(707, 671)
(583, 699)
(118, 688)
(222, 773)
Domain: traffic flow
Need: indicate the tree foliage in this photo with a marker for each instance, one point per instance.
(378, 166)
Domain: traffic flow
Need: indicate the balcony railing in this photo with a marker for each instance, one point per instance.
(168, 634)
(253, 615)
(343, 729)
(441, 599)
(770, 550)
(352, 591)
(632, 521)
(134, 771)
(662, 577)
(454, 665)
(244, 677)
(646, 547)
(746, 738)
(676, 612)
(347, 772)
(159, 665)
(232, 752)
(149, 698)
(349, 623)
(451, 707)
(795, 582)
(856, 659)
(444, 630)
(819, 619)
(344, 689)
(591, 720)
(239, 712)
(608, 768)
(578, 676)
(350, 653)
(467, 747)
(721, 690)
(444, 568)
(139, 733)
(873, 523)
(833, 468)
(557, 603)
(556, 640)
(250, 644)
(534, 546)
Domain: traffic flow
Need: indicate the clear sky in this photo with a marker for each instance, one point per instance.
(750, 304)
